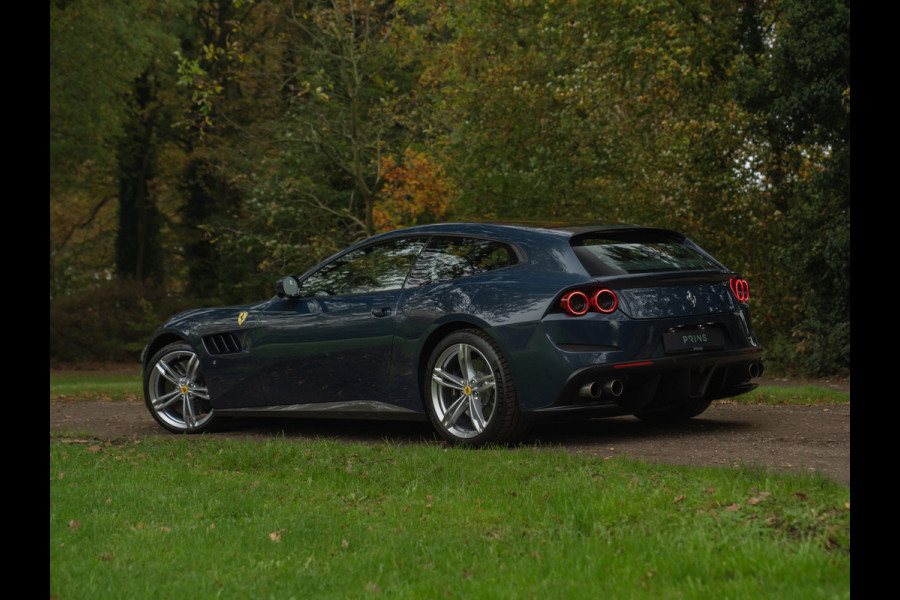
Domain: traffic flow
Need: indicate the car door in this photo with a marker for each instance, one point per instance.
(333, 343)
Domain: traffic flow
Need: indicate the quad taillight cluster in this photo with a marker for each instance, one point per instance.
(577, 303)
(740, 288)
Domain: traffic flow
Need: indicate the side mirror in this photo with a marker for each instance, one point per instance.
(287, 287)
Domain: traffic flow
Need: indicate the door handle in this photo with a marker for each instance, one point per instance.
(385, 311)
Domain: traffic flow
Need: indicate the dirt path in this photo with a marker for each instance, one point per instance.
(781, 438)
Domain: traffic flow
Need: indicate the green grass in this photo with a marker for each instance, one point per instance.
(796, 395)
(94, 387)
(205, 517)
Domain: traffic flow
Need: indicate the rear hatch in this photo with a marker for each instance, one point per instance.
(656, 273)
(653, 301)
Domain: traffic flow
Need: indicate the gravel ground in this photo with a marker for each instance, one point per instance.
(781, 438)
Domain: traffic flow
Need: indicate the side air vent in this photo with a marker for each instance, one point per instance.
(222, 343)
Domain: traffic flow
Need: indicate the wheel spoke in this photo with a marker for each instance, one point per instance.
(455, 411)
(187, 409)
(166, 400)
(193, 368)
(200, 392)
(476, 414)
(465, 362)
(168, 372)
(485, 383)
(448, 380)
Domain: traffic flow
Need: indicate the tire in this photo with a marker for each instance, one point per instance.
(469, 392)
(683, 411)
(175, 392)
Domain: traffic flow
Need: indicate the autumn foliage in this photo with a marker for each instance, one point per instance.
(416, 190)
(213, 147)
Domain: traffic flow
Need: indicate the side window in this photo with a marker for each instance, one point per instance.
(375, 268)
(447, 258)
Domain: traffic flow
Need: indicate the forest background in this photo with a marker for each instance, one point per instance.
(199, 150)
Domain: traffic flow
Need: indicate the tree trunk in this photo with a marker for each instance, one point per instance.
(138, 251)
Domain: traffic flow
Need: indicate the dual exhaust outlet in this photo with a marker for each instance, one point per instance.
(755, 370)
(614, 387)
(595, 389)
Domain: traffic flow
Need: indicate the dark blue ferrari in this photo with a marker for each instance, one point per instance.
(482, 328)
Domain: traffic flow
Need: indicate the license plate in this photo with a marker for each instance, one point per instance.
(693, 340)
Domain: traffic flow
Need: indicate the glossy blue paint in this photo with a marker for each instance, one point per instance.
(365, 354)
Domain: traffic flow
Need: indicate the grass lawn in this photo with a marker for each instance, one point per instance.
(208, 517)
(92, 386)
(205, 517)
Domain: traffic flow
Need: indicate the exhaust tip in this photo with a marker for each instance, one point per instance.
(614, 388)
(591, 390)
(755, 370)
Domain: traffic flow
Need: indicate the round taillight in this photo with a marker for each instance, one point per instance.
(575, 303)
(604, 300)
(740, 288)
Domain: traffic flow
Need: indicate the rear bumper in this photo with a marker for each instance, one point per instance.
(613, 389)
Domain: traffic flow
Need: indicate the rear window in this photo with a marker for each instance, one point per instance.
(640, 252)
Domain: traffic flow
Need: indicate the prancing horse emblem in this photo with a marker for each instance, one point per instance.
(241, 318)
(691, 298)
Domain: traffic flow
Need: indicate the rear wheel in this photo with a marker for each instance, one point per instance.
(175, 391)
(469, 392)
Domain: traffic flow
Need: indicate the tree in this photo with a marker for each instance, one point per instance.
(217, 45)
(345, 114)
(616, 111)
(138, 248)
(243, 139)
(796, 80)
(337, 89)
(98, 53)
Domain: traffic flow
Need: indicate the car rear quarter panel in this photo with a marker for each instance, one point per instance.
(507, 304)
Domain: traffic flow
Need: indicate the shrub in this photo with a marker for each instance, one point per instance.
(109, 322)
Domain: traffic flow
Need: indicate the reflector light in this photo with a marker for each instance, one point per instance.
(575, 303)
(634, 364)
(604, 300)
(740, 288)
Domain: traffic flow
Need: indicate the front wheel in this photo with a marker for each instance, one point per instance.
(175, 391)
(469, 391)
